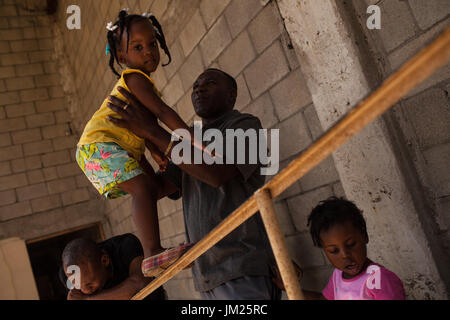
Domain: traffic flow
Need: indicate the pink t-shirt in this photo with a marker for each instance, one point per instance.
(375, 283)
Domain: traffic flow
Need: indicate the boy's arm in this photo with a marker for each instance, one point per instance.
(143, 90)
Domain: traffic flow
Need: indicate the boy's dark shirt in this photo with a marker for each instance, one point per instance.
(122, 250)
(246, 250)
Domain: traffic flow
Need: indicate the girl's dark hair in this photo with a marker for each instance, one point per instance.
(331, 212)
(124, 22)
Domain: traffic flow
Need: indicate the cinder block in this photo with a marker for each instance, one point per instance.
(159, 7)
(300, 206)
(322, 174)
(68, 170)
(50, 173)
(40, 56)
(35, 176)
(13, 181)
(24, 45)
(20, 110)
(215, 41)
(192, 33)
(429, 12)
(56, 92)
(267, 70)
(313, 122)
(46, 44)
(46, 203)
(237, 55)
(294, 136)
(239, 13)
(75, 196)
(12, 59)
(82, 181)
(29, 135)
(50, 67)
(178, 222)
(2, 113)
(61, 185)
(8, 11)
(9, 98)
(166, 228)
(429, 113)
(303, 251)
(47, 80)
(5, 168)
(40, 120)
(265, 28)
(284, 217)
(29, 69)
(14, 84)
(263, 109)
(185, 107)
(31, 192)
(62, 143)
(243, 95)
(168, 71)
(191, 69)
(59, 130)
(211, 10)
(33, 94)
(11, 34)
(437, 159)
(173, 91)
(33, 162)
(290, 95)
(5, 139)
(55, 158)
(7, 72)
(18, 165)
(12, 125)
(4, 47)
(397, 24)
(15, 211)
(40, 147)
(7, 197)
(20, 22)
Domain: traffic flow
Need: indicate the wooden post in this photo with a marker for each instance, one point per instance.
(279, 247)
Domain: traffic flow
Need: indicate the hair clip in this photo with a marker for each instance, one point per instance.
(108, 49)
(147, 15)
(126, 9)
(111, 27)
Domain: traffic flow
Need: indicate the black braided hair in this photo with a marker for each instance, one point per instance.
(124, 22)
(331, 212)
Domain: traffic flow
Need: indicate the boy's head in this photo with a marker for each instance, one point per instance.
(133, 41)
(93, 263)
(213, 93)
(337, 226)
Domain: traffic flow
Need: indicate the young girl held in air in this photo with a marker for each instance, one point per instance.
(112, 157)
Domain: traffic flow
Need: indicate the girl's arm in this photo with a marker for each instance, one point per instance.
(143, 90)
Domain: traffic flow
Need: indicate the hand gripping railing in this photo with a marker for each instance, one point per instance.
(412, 73)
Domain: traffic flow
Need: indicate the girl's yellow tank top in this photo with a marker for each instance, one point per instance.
(100, 129)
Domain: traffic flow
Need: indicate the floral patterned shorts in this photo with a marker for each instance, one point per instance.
(106, 164)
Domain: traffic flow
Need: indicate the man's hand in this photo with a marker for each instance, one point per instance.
(76, 295)
(135, 116)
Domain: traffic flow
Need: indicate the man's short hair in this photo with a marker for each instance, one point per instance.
(231, 80)
(81, 250)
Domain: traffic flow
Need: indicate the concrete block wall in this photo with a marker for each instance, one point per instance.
(245, 39)
(42, 190)
(423, 116)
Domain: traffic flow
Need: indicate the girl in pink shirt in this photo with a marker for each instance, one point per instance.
(338, 227)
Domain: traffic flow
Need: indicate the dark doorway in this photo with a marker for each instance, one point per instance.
(45, 257)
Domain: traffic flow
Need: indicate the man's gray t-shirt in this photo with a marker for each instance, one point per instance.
(246, 250)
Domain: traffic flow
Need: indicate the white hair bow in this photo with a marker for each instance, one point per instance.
(111, 27)
(147, 15)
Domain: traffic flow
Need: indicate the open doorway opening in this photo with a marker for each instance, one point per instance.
(45, 257)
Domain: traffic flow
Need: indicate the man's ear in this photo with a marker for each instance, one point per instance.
(232, 96)
(105, 260)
